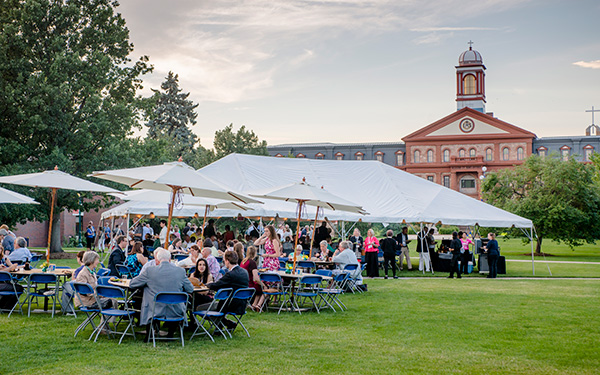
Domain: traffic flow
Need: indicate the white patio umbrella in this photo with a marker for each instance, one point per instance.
(55, 180)
(8, 196)
(177, 178)
(305, 194)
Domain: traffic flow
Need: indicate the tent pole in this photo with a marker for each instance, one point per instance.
(127, 235)
(343, 231)
(53, 202)
(421, 260)
(173, 192)
(312, 237)
(204, 223)
(300, 203)
(532, 256)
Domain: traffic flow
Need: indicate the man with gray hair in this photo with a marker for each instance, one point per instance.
(21, 253)
(343, 256)
(164, 277)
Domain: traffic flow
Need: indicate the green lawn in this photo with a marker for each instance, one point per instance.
(405, 326)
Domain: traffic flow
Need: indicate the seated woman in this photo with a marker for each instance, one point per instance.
(5, 264)
(324, 252)
(298, 253)
(200, 277)
(175, 246)
(136, 259)
(80, 261)
(249, 264)
(190, 261)
(88, 276)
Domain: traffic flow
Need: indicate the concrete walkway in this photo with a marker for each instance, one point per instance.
(551, 261)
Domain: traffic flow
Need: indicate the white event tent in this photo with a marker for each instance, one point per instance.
(388, 194)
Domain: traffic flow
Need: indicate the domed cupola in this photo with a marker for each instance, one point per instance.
(470, 80)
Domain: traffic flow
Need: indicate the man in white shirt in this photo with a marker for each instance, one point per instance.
(162, 237)
(343, 256)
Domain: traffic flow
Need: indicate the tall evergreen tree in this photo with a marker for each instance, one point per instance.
(172, 118)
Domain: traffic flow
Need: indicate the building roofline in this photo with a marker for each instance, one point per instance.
(330, 144)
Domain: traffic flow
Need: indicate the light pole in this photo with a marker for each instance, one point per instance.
(481, 178)
(80, 244)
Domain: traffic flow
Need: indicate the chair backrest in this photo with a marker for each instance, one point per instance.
(191, 270)
(5, 276)
(323, 272)
(243, 294)
(171, 298)
(63, 268)
(103, 280)
(350, 267)
(43, 278)
(311, 280)
(223, 294)
(283, 259)
(282, 264)
(272, 278)
(306, 264)
(110, 291)
(123, 269)
(103, 272)
(305, 252)
(83, 288)
(179, 257)
(219, 259)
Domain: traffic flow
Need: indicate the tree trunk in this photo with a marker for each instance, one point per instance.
(538, 246)
(56, 241)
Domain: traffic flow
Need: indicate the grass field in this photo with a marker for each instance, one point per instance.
(405, 326)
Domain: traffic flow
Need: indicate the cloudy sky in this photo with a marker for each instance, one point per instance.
(366, 71)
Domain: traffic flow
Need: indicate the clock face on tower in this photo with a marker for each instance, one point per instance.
(466, 125)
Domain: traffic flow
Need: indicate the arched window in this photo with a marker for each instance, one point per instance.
(339, 156)
(542, 152)
(489, 155)
(379, 156)
(320, 155)
(470, 85)
(300, 155)
(430, 156)
(472, 153)
(461, 153)
(505, 154)
(417, 156)
(359, 155)
(564, 151)
(446, 156)
(587, 152)
(520, 153)
(399, 159)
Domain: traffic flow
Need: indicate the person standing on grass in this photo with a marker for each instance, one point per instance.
(403, 242)
(493, 253)
(388, 245)
(90, 235)
(456, 247)
(466, 255)
(372, 254)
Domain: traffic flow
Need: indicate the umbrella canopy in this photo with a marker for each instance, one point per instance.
(172, 176)
(157, 197)
(176, 177)
(160, 209)
(310, 195)
(8, 196)
(55, 179)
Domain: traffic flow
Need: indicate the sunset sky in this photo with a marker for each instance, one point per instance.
(366, 71)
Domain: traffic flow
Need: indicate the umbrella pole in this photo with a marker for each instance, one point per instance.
(312, 237)
(300, 203)
(170, 217)
(204, 223)
(53, 200)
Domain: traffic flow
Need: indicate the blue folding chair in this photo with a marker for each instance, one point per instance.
(240, 296)
(191, 270)
(34, 290)
(6, 278)
(307, 265)
(282, 264)
(169, 298)
(305, 252)
(323, 272)
(213, 315)
(353, 277)
(180, 257)
(123, 270)
(308, 288)
(331, 294)
(34, 260)
(114, 292)
(103, 272)
(84, 289)
(274, 291)
(104, 280)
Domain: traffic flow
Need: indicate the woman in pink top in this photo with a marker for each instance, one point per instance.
(272, 248)
(371, 254)
(465, 256)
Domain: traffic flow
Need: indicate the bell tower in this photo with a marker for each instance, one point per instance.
(470, 80)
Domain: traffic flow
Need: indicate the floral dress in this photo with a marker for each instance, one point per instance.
(272, 264)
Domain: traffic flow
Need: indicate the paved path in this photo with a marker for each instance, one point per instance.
(551, 261)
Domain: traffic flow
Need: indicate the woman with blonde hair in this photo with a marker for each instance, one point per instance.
(272, 248)
(371, 254)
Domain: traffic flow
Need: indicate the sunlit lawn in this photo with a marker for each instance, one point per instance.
(405, 326)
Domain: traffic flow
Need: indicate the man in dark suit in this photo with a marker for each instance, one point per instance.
(403, 242)
(455, 246)
(388, 245)
(321, 234)
(236, 278)
(117, 256)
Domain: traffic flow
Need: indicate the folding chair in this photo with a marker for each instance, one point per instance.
(331, 294)
(180, 257)
(308, 288)
(307, 265)
(213, 315)
(116, 293)
(66, 301)
(6, 278)
(241, 296)
(275, 291)
(103, 272)
(34, 260)
(282, 264)
(169, 298)
(123, 270)
(191, 270)
(353, 276)
(46, 279)
(104, 280)
(84, 289)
